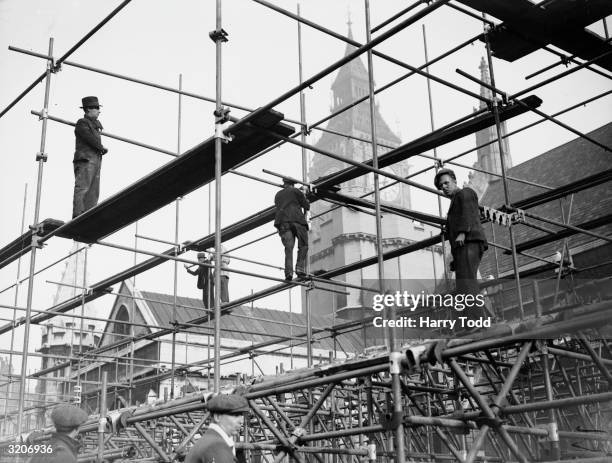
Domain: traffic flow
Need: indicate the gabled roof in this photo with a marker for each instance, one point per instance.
(574, 160)
(250, 324)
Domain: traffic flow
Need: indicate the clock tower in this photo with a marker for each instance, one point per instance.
(342, 235)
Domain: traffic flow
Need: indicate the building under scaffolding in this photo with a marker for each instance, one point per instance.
(327, 383)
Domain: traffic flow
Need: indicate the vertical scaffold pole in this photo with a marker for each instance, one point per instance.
(502, 165)
(176, 245)
(553, 437)
(379, 246)
(306, 299)
(102, 420)
(130, 363)
(218, 37)
(394, 356)
(435, 153)
(41, 157)
(9, 387)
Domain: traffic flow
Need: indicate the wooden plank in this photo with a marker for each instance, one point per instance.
(177, 178)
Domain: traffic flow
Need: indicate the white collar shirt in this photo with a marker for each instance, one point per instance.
(228, 440)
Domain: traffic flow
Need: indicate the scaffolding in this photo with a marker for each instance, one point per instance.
(535, 387)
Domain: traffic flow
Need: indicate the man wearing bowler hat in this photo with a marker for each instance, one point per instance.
(63, 445)
(87, 157)
(290, 220)
(463, 231)
(227, 417)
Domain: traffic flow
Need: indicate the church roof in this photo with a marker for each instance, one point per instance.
(245, 320)
(564, 164)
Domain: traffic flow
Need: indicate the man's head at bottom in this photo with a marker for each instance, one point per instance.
(227, 412)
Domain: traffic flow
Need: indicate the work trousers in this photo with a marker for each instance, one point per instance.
(224, 288)
(208, 292)
(466, 259)
(288, 232)
(86, 184)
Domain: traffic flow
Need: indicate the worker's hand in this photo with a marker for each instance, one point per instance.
(104, 150)
(460, 240)
(186, 266)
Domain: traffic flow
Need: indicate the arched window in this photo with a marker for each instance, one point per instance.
(122, 316)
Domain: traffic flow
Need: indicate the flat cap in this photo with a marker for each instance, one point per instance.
(288, 181)
(201, 254)
(67, 417)
(227, 404)
(442, 172)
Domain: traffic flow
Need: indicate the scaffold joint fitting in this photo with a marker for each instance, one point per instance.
(42, 156)
(491, 422)
(391, 421)
(221, 115)
(553, 431)
(220, 133)
(36, 243)
(218, 35)
(395, 359)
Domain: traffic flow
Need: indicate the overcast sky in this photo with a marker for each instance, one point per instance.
(158, 40)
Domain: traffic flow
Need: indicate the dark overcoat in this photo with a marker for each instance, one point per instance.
(64, 449)
(464, 217)
(88, 144)
(289, 203)
(211, 448)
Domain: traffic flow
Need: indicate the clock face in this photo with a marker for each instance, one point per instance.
(390, 193)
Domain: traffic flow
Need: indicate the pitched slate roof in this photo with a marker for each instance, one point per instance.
(567, 163)
(251, 324)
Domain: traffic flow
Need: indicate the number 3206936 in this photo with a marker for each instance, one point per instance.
(23, 449)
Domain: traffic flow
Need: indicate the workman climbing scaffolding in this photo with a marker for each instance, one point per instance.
(291, 222)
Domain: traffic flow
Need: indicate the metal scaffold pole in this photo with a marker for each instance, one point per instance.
(502, 164)
(218, 36)
(41, 157)
(176, 244)
(390, 334)
(435, 153)
(306, 300)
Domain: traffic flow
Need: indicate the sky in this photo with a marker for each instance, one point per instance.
(157, 41)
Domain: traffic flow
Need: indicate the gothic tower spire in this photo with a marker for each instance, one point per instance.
(488, 153)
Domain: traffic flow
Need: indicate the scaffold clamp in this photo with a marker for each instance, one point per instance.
(391, 421)
(218, 35)
(221, 115)
(298, 432)
(220, 133)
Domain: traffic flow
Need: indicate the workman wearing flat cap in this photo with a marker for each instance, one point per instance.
(205, 281)
(227, 417)
(64, 446)
(290, 220)
(87, 157)
(463, 231)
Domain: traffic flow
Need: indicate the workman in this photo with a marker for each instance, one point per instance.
(225, 261)
(63, 445)
(87, 157)
(205, 280)
(217, 444)
(290, 220)
(463, 231)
